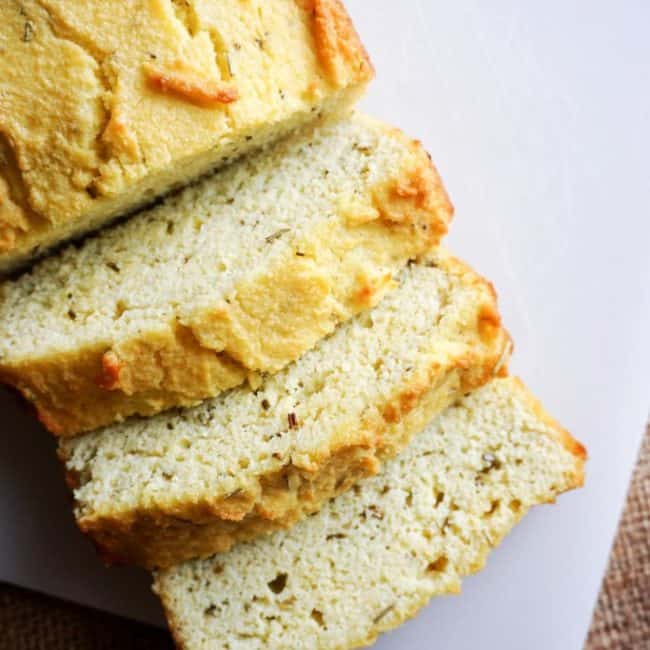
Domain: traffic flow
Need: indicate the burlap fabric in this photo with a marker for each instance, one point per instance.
(622, 616)
(621, 620)
(30, 621)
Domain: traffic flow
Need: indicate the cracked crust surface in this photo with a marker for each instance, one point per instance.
(187, 484)
(237, 275)
(82, 101)
(373, 557)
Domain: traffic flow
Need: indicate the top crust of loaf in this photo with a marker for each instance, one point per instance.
(94, 122)
(238, 274)
(371, 558)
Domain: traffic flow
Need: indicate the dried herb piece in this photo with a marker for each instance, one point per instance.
(335, 536)
(28, 31)
(383, 613)
(362, 148)
(376, 512)
(276, 235)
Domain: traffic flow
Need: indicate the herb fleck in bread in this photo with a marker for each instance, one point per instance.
(105, 105)
(187, 484)
(371, 558)
(238, 274)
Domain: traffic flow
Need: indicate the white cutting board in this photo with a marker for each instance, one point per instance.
(538, 116)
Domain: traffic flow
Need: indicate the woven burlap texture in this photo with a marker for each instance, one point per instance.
(30, 621)
(622, 616)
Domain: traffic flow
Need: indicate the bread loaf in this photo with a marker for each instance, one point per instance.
(236, 275)
(186, 484)
(106, 105)
(371, 558)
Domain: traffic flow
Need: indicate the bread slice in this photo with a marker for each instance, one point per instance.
(187, 484)
(239, 274)
(105, 105)
(371, 558)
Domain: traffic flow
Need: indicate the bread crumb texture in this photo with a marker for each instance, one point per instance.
(94, 121)
(190, 483)
(371, 558)
(234, 276)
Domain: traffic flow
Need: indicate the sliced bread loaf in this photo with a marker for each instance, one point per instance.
(105, 105)
(190, 483)
(240, 273)
(371, 558)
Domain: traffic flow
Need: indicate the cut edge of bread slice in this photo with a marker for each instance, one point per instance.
(372, 558)
(308, 282)
(277, 459)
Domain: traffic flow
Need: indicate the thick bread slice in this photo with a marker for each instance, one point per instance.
(190, 483)
(105, 105)
(371, 558)
(240, 273)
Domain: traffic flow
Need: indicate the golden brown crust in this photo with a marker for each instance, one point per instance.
(12, 218)
(410, 196)
(96, 386)
(337, 43)
(163, 535)
(369, 288)
(109, 376)
(266, 324)
(185, 84)
(16, 218)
